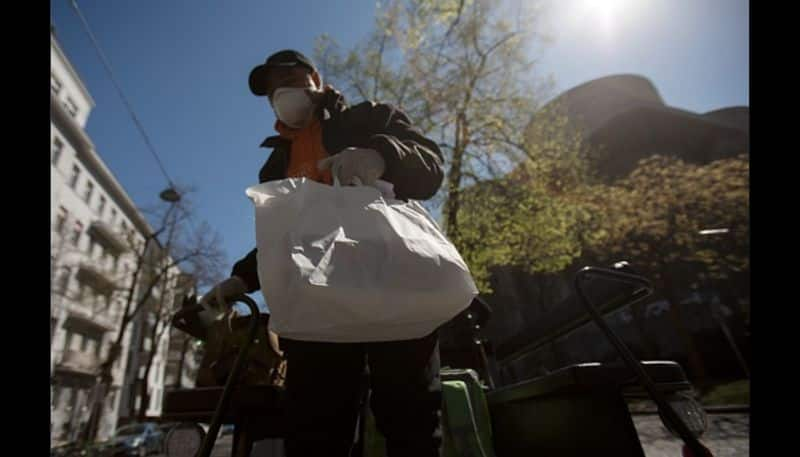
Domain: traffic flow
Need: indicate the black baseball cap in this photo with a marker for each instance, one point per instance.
(285, 58)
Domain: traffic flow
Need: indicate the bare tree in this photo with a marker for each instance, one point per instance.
(177, 245)
(166, 306)
(462, 70)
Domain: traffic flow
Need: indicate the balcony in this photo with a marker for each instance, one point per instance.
(82, 317)
(79, 362)
(104, 234)
(95, 277)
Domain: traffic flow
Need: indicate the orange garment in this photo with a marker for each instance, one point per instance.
(307, 150)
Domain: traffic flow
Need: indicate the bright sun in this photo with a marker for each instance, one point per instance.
(606, 14)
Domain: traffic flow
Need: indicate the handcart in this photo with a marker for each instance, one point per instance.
(577, 410)
(254, 411)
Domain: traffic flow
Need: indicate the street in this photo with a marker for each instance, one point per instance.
(728, 435)
(222, 448)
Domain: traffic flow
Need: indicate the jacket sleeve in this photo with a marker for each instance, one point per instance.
(247, 267)
(413, 162)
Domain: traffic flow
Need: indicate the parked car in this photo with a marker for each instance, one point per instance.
(226, 429)
(139, 439)
(97, 449)
(165, 427)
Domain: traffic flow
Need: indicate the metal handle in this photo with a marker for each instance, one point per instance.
(233, 377)
(627, 356)
(613, 275)
(643, 288)
(183, 312)
(187, 318)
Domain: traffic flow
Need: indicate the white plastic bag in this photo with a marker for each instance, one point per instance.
(345, 264)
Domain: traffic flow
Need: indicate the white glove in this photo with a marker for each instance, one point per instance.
(274, 343)
(221, 294)
(366, 165)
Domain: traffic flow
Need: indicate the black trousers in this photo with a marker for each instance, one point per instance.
(324, 386)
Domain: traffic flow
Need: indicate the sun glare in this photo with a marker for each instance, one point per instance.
(605, 14)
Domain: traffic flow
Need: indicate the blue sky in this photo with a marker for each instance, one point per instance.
(184, 64)
(696, 52)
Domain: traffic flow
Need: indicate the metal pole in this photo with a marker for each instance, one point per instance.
(233, 377)
(729, 336)
(627, 356)
(721, 319)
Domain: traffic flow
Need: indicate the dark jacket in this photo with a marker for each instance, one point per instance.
(413, 162)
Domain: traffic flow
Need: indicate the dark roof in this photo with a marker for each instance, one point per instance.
(626, 116)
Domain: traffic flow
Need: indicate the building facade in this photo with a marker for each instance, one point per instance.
(152, 329)
(183, 358)
(96, 232)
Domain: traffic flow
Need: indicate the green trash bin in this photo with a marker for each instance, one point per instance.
(466, 421)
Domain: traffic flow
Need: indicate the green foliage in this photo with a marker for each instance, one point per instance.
(516, 223)
(519, 187)
(655, 216)
(463, 72)
(532, 218)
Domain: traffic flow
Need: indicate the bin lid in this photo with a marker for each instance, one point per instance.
(588, 377)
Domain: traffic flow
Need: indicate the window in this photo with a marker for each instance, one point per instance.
(92, 346)
(90, 248)
(56, 394)
(64, 282)
(58, 146)
(87, 194)
(73, 179)
(114, 263)
(67, 397)
(124, 228)
(71, 107)
(113, 216)
(55, 85)
(61, 219)
(77, 343)
(101, 206)
(68, 340)
(76, 393)
(76, 233)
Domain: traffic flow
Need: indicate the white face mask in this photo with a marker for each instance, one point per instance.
(292, 106)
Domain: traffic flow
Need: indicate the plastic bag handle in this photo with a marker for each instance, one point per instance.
(384, 187)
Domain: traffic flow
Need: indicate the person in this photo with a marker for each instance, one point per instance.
(321, 137)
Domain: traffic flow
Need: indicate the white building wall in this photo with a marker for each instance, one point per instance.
(77, 210)
(73, 94)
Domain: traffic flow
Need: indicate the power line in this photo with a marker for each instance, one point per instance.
(107, 66)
